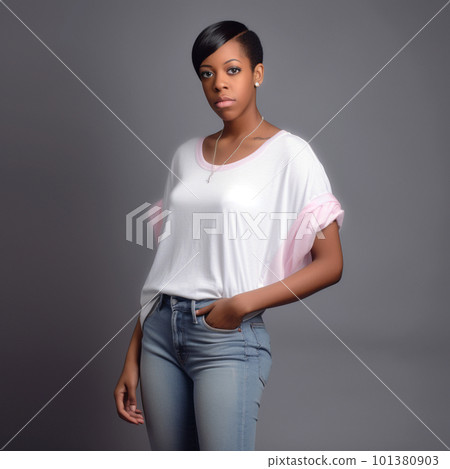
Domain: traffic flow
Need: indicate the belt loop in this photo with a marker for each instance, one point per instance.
(194, 316)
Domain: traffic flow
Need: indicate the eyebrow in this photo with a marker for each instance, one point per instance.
(205, 65)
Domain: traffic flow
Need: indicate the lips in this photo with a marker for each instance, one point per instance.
(224, 101)
(224, 98)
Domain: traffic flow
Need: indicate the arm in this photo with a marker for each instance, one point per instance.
(324, 270)
(125, 390)
(133, 356)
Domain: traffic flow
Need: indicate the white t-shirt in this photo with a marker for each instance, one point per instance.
(252, 225)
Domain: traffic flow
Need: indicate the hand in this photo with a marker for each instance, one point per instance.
(224, 313)
(125, 395)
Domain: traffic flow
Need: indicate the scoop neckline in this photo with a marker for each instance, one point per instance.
(209, 166)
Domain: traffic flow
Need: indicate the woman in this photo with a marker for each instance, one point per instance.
(231, 248)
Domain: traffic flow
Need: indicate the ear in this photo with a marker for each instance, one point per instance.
(258, 73)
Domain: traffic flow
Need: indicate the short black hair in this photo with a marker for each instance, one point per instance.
(215, 35)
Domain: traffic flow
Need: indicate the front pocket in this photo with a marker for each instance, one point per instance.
(215, 329)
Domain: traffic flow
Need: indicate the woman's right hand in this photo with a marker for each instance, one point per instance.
(125, 395)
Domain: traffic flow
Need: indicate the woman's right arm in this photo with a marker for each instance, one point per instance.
(125, 391)
(134, 350)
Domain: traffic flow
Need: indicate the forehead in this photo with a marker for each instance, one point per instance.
(230, 50)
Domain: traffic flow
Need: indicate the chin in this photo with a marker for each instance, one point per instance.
(225, 115)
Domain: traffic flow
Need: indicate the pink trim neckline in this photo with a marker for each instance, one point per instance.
(209, 166)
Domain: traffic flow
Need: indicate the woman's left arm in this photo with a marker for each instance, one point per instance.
(324, 270)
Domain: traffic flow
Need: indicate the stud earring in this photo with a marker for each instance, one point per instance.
(257, 84)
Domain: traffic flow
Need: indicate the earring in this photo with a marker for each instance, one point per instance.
(257, 84)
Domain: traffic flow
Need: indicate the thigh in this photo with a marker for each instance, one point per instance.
(230, 370)
(166, 390)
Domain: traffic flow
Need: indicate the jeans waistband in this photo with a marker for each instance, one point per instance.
(187, 303)
(190, 304)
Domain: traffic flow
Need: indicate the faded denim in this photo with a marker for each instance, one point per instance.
(201, 387)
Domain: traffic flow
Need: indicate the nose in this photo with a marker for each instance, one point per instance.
(220, 81)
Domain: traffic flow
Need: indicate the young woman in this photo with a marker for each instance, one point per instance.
(250, 223)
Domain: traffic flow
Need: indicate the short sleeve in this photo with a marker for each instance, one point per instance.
(312, 219)
(316, 208)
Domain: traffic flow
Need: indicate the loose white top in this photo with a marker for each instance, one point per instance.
(252, 225)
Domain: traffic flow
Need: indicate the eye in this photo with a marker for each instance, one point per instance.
(231, 68)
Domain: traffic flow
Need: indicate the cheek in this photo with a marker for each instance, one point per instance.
(245, 91)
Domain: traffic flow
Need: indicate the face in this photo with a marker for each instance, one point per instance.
(227, 72)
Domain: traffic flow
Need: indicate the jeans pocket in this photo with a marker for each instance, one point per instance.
(215, 329)
(264, 352)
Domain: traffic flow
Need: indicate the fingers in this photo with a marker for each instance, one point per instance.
(130, 406)
(133, 411)
(126, 407)
(204, 310)
(222, 317)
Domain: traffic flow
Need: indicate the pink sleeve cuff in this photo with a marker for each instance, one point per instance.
(294, 253)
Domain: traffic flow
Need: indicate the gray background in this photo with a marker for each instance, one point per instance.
(71, 171)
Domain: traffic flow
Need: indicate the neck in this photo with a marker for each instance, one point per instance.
(241, 126)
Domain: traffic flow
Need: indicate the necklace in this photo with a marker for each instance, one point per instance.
(215, 150)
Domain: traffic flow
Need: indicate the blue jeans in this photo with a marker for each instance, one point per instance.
(201, 386)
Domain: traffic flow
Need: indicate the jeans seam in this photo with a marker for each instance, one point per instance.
(174, 333)
(181, 361)
(186, 352)
(253, 325)
(244, 400)
(260, 369)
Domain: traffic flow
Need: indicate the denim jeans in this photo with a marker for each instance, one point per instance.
(201, 387)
